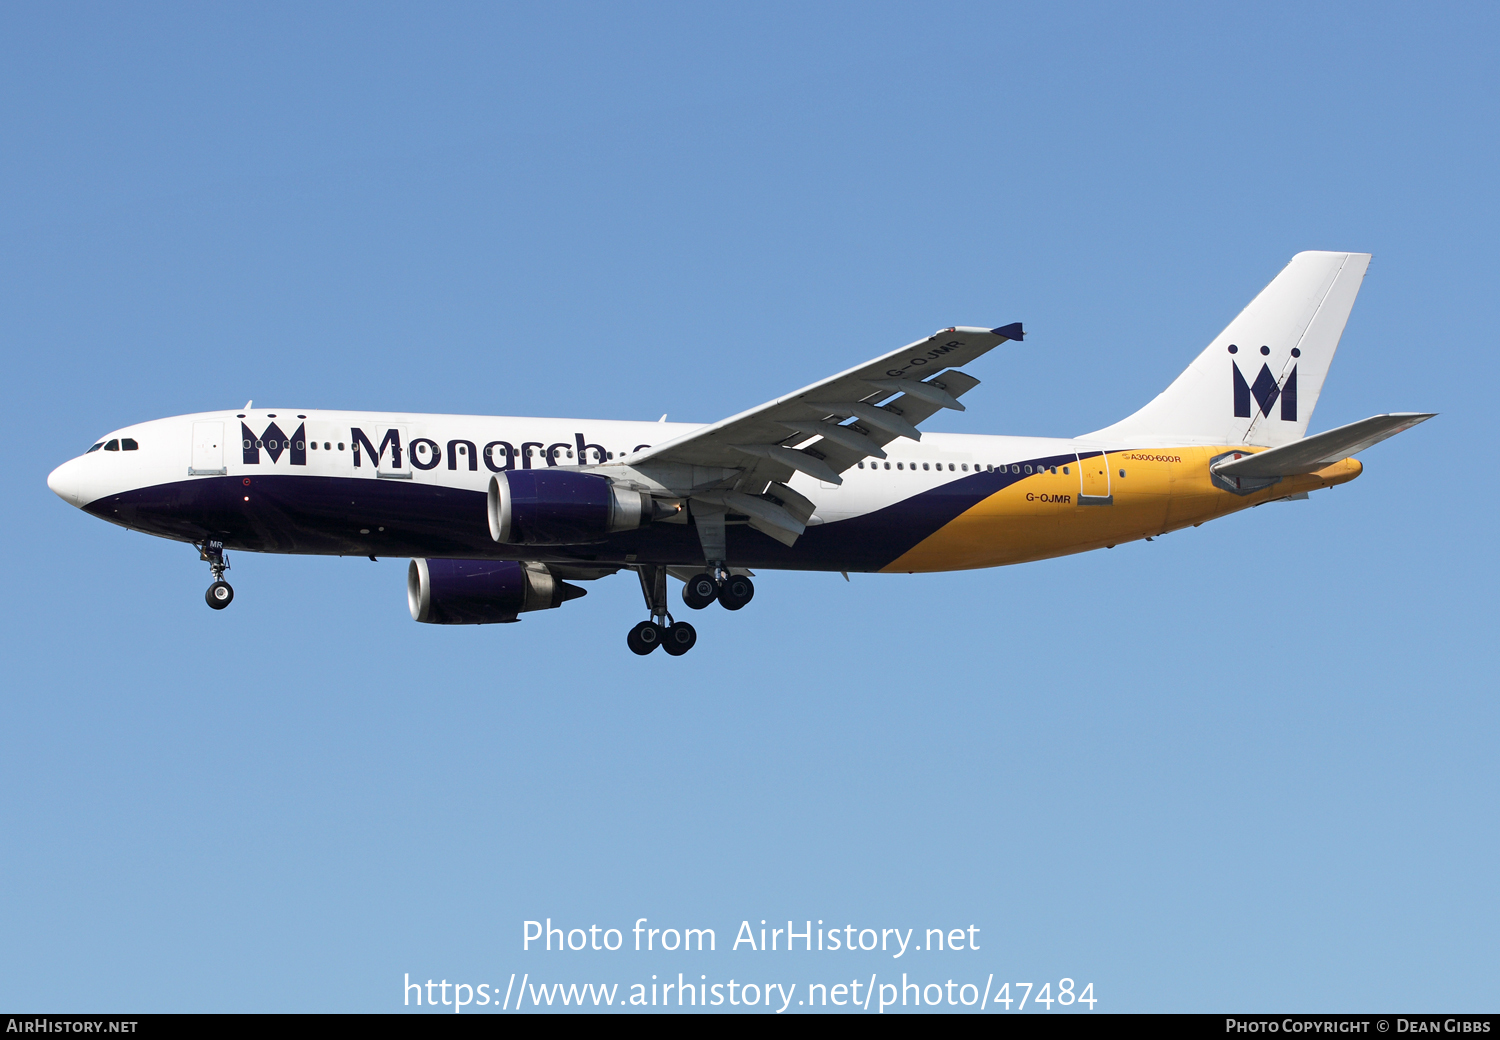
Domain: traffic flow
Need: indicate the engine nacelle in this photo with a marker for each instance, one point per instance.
(481, 592)
(562, 507)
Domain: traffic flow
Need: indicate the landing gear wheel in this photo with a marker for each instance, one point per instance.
(736, 591)
(680, 639)
(219, 595)
(700, 591)
(645, 637)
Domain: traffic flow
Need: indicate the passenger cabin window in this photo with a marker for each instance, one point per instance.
(129, 444)
(112, 446)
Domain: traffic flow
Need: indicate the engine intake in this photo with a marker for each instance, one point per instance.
(562, 507)
(481, 592)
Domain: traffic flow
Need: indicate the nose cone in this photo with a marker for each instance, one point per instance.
(66, 481)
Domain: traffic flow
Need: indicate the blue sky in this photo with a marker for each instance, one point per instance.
(1247, 766)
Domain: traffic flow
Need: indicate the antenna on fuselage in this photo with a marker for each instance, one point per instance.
(248, 404)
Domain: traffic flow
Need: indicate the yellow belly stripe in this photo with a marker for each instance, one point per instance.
(1046, 515)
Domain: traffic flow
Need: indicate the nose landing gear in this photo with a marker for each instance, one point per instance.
(676, 637)
(220, 594)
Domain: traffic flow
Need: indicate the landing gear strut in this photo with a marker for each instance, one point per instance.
(220, 594)
(676, 637)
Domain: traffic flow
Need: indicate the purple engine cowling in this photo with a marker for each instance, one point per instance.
(562, 507)
(481, 592)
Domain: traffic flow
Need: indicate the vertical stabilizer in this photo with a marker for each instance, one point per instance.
(1258, 381)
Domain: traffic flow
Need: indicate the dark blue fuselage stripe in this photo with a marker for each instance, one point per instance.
(344, 516)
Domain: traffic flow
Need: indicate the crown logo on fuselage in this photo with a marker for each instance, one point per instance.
(275, 443)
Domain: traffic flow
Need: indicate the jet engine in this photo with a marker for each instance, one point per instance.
(562, 507)
(481, 592)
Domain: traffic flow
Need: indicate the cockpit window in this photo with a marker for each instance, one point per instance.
(112, 446)
(128, 444)
(95, 447)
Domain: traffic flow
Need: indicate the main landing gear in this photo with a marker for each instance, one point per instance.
(675, 637)
(732, 591)
(220, 594)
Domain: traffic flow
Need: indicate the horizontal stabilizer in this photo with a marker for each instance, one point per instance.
(1313, 453)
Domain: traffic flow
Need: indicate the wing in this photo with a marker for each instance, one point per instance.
(742, 463)
(812, 427)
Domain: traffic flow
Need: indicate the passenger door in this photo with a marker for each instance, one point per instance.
(208, 450)
(1094, 487)
(386, 446)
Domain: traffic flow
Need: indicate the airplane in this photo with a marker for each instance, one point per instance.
(500, 516)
